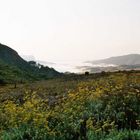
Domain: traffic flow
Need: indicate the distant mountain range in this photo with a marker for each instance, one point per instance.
(125, 62)
(131, 59)
(15, 68)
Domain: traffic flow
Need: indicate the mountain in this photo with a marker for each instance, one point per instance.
(15, 68)
(125, 62)
(131, 59)
(10, 56)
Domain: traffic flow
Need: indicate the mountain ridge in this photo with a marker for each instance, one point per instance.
(13, 65)
(129, 59)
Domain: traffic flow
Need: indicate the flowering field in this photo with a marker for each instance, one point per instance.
(104, 107)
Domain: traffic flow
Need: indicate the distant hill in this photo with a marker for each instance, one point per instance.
(15, 68)
(125, 62)
(131, 59)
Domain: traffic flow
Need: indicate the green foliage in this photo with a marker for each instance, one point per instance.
(100, 108)
(14, 69)
(115, 135)
(13, 73)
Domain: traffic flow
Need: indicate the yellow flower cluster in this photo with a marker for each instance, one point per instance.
(87, 103)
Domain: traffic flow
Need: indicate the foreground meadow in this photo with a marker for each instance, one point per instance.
(88, 107)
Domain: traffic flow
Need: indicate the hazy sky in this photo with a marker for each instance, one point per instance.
(71, 30)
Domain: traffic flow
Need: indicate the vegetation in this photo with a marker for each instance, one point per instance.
(102, 106)
(13, 69)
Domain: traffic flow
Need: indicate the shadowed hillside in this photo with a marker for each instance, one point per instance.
(14, 68)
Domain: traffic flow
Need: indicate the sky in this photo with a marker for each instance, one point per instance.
(70, 31)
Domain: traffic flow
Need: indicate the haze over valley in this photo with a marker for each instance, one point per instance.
(69, 32)
(125, 62)
(69, 69)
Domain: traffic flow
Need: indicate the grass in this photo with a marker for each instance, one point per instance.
(102, 106)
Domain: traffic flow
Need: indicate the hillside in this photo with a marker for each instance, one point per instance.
(118, 63)
(14, 68)
(11, 57)
(131, 59)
